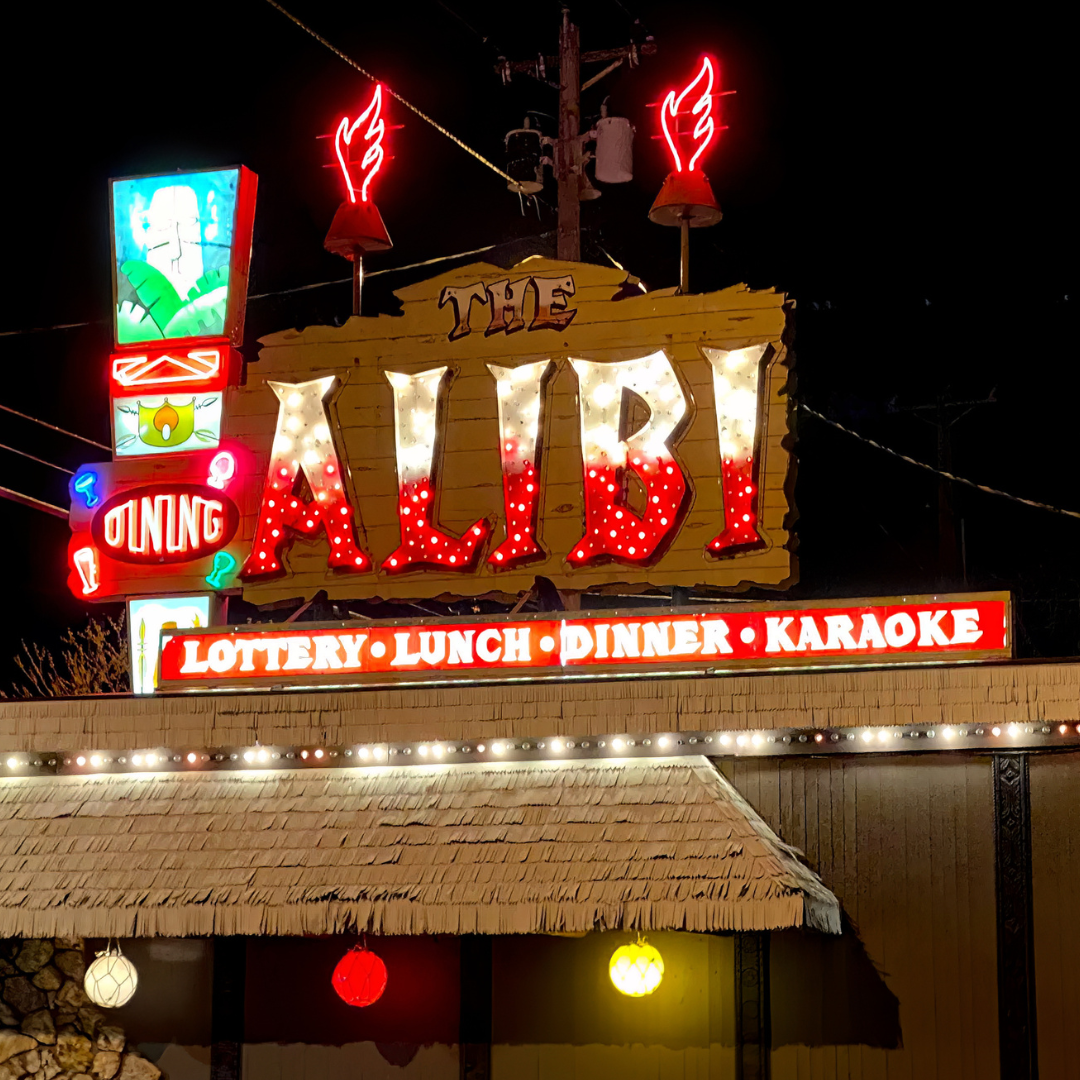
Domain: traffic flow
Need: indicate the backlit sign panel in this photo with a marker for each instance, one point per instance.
(849, 633)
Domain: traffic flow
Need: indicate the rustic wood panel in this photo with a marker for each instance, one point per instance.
(908, 992)
(1055, 857)
(471, 486)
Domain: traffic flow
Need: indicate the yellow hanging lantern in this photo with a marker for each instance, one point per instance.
(636, 970)
(111, 979)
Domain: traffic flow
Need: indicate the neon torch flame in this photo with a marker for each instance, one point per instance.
(373, 155)
(704, 124)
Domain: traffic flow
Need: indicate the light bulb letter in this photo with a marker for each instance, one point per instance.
(416, 409)
(520, 393)
(736, 374)
(303, 449)
(613, 531)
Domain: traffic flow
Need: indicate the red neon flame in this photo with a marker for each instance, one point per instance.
(704, 125)
(372, 160)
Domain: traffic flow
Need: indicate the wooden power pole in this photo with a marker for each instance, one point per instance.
(568, 157)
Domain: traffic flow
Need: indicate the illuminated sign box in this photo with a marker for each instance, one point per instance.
(181, 255)
(946, 629)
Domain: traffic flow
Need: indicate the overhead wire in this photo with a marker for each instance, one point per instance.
(937, 472)
(34, 504)
(40, 461)
(397, 97)
(53, 427)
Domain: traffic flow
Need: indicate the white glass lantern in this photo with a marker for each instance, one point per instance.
(111, 979)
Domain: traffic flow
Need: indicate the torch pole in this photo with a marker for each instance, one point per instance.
(684, 255)
(357, 279)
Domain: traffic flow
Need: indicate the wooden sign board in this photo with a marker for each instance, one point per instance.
(611, 321)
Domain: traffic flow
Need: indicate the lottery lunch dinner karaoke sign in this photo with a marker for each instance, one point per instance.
(549, 419)
(841, 633)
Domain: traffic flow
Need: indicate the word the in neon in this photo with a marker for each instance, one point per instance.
(700, 95)
(170, 523)
(373, 155)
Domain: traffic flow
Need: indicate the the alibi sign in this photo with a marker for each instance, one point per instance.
(550, 419)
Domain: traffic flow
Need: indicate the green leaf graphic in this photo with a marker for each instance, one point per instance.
(205, 314)
(154, 290)
(133, 323)
(212, 279)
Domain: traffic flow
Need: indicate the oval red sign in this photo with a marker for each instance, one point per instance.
(165, 523)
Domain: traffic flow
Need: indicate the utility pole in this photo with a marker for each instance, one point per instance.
(942, 414)
(568, 158)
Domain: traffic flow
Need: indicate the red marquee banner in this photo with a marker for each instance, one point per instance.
(851, 633)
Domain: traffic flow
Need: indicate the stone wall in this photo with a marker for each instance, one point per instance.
(49, 1028)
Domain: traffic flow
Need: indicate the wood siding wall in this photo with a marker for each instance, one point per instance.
(1055, 858)
(909, 992)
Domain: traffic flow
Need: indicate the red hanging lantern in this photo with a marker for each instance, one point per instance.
(360, 977)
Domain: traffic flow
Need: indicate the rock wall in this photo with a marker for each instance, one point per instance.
(49, 1028)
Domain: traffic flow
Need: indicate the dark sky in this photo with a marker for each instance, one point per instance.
(900, 170)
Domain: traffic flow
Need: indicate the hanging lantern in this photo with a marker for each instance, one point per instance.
(636, 970)
(360, 977)
(111, 980)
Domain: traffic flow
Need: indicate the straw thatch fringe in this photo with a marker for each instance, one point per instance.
(491, 849)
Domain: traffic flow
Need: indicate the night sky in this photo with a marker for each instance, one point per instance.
(899, 171)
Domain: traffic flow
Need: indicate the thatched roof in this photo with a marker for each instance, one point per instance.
(495, 849)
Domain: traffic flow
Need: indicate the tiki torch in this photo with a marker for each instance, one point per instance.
(357, 228)
(688, 123)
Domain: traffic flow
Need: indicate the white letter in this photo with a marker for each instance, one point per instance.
(274, 648)
(299, 654)
(626, 639)
(577, 642)
(213, 521)
(432, 654)
(486, 647)
(192, 664)
(966, 626)
(402, 656)
(900, 630)
(776, 630)
(930, 628)
(655, 634)
(871, 633)
(516, 646)
(326, 653)
(716, 633)
(686, 638)
(460, 646)
(839, 629)
(352, 643)
(246, 648)
(600, 632)
(221, 655)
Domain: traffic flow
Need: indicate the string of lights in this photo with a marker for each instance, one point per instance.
(938, 472)
(397, 97)
(870, 739)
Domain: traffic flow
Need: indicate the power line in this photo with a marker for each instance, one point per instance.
(408, 105)
(40, 461)
(937, 472)
(41, 329)
(34, 504)
(53, 427)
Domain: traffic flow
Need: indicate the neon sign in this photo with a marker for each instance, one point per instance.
(166, 424)
(371, 160)
(85, 562)
(161, 370)
(165, 523)
(700, 91)
(182, 247)
(645, 642)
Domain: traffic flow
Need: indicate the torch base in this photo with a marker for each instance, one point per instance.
(686, 197)
(357, 230)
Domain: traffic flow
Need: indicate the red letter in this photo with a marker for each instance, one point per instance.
(612, 530)
(304, 446)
